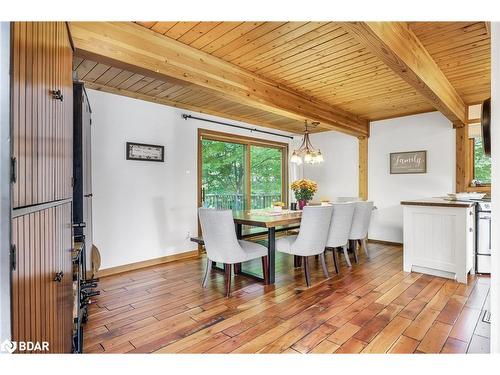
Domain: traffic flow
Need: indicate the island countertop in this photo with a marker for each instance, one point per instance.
(438, 201)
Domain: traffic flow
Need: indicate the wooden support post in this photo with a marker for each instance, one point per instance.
(462, 158)
(462, 171)
(363, 167)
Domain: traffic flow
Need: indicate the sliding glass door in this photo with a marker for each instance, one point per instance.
(240, 172)
(266, 176)
(223, 174)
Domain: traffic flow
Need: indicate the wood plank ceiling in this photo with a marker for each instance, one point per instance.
(319, 60)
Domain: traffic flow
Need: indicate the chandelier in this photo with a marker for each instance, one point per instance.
(306, 152)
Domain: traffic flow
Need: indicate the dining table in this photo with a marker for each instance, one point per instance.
(272, 222)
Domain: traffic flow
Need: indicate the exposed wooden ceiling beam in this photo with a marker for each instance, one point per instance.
(400, 49)
(189, 107)
(139, 49)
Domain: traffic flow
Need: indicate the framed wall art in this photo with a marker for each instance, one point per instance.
(145, 152)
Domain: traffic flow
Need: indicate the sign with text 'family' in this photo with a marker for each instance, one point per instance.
(408, 162)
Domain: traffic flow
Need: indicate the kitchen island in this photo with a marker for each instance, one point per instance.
(439, 237)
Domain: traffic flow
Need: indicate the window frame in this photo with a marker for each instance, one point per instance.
(485, 187)
(247, 141)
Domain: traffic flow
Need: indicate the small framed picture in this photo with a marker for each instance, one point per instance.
(408, 162)
(145, 152)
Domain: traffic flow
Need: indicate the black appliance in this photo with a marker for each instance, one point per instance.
(83, 288)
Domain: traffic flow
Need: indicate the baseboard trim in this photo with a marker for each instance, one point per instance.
(148, 263)
(385, 242)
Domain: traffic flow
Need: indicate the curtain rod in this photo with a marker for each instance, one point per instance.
(185, 117)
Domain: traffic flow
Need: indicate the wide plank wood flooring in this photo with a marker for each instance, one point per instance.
(373, 307)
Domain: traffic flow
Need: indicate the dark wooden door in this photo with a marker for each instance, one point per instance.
(42, 141)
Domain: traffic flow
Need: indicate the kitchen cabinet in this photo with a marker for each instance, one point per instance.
(439, 237)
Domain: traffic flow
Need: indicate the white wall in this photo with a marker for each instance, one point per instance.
(338, 175)
(144, 210)
(428, 131)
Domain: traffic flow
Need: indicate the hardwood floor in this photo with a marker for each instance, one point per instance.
(373, 307)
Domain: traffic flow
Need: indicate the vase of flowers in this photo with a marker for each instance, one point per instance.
(304, 191)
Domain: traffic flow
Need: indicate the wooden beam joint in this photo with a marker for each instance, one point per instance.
(400, 49)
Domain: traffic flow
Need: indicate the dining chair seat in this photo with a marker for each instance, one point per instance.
(252, 250)
(284, 244)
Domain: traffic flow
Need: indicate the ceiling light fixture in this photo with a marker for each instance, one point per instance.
(306, 153)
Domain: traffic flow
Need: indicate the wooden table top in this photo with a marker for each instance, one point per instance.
(259, 218)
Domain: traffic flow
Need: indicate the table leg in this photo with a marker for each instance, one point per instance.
(271, 238)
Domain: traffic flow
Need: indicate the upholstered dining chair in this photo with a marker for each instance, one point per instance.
(222, 245)
(340, 229)
(311, 239)
(360, 225)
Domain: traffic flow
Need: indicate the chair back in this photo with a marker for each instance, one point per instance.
(340, 226)
(219, 234)
(347, 199)
(313, 232)
(361, 220)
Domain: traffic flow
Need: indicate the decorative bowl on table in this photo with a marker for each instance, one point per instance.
(278, 206)
(325, 202)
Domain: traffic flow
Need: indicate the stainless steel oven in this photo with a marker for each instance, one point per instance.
(483, 237)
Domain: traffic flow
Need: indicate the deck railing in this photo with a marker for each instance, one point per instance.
(237, 201)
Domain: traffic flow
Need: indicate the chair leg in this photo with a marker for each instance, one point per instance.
(227, 276)
(237, 268)
(355, 251)
(336, 259)
(306, 270)
(297, 261)
(207, 273)
(265, 269)
(364, 245)
(323, 265)
(346, 255)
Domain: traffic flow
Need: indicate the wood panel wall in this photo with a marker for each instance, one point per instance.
(42, 62)
(42, 307)
(42, 141)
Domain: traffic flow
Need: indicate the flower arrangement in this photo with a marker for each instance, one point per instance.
(304, 189)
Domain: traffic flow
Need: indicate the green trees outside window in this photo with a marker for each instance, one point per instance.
(482, 163)
(226, 178)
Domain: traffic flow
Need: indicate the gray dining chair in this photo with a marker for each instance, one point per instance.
(311, 239)
(222, 245)
(340, 229)
(360, 225)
